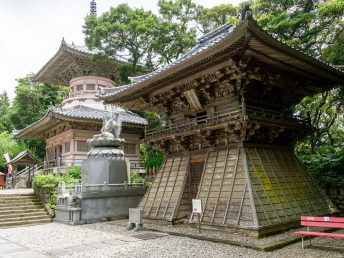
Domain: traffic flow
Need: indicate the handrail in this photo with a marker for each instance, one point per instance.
(27, 169)
(233, 112)
(211, 117)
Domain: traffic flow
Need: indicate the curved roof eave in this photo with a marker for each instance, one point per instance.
(239, 31)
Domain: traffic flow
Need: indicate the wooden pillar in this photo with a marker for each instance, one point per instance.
(14, 176)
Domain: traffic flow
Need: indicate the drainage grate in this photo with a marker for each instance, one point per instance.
(147, 236)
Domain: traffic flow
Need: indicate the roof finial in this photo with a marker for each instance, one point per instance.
(246, 12)
(93, 7)
(63, 42)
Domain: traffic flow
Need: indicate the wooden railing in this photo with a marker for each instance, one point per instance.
(200, 121)
(262, 113)
(227, 115)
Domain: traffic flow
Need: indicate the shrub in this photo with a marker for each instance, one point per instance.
(49, 184)
(75, 172)
(137, 179)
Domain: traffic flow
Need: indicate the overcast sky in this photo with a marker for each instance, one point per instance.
(31, 31)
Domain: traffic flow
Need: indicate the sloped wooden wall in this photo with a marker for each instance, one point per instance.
(282, 189)
(256, 188)
(163, 198)
(247, 188)
(224, 190)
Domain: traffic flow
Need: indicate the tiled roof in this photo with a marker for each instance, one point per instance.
(22, 155)
(113, 91)
(86, 50)
(209, 41)
(80, 112)
(83, 112)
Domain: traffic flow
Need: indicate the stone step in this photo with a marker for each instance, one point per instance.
(16, 196)
(21, 207)
(18, 202)
(25, 218)
(12, 210)
(23, 214)
(25, 222)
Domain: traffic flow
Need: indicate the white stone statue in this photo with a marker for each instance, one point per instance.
(112, 124)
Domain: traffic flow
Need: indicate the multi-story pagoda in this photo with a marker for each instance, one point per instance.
(67, 128)
(230, 133)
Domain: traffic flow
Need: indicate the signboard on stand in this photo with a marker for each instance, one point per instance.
(197, 209)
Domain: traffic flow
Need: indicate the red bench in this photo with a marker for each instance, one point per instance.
(323, 222)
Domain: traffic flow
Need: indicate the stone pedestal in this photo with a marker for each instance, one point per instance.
(104, 193)
(135, 219)
(100, 170)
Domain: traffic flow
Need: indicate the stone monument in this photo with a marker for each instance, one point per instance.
(104, 192)
(105, 162)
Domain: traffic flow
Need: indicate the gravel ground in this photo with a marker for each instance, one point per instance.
(220, 235)
(78, 240)
(16, 191)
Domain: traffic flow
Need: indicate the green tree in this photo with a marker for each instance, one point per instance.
(5, 121)
(32, 101)
(173, 35)
(324, 112)
(208, 19)
(122, 30)
(310, 25)
(10, 146)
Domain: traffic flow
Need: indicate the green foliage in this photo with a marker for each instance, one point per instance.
(151, 40)
(75, 172)
(9, 145)
(137, 179)
(52, 203)
(122, 29)
(151, 158)
(209, 19)
(49, 183)
(324, 112)
(311, 25)
(326, 164)
(29, 105)
(5, 121)
(32, 101)
(173, 34)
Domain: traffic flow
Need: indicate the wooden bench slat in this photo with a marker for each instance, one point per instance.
(322, 234)
(322, 224)
(322, 219)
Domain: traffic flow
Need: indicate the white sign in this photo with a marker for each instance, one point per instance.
(326, 218)
(196, 206)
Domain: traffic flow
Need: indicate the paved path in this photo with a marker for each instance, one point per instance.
(9, 249)
(110, 240)
(16, 191)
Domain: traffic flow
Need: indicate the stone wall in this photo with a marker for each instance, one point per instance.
(44, 195)
(336, 195)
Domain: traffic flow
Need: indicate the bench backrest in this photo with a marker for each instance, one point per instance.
(324, 222)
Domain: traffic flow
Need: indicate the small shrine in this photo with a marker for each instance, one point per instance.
(23, 166)
(231, 131)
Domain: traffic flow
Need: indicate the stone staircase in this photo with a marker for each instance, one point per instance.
(17, 210)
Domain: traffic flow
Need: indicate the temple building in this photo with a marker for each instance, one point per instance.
(231, 131)
(66, 129)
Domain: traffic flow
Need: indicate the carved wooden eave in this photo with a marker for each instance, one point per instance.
(70, 62)
(246, 41)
